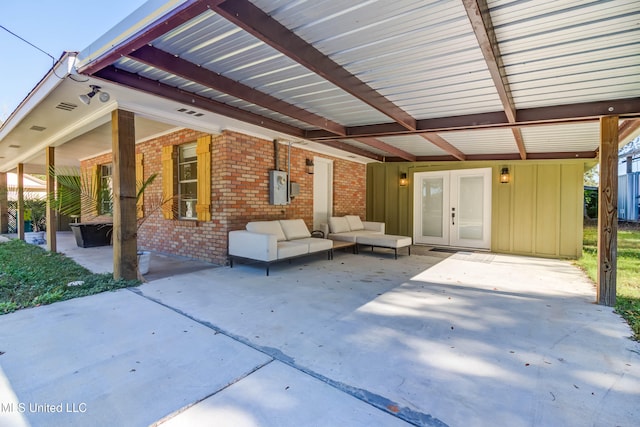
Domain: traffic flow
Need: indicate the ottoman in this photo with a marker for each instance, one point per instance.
(386, 241)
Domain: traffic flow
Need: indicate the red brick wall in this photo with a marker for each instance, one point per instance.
(240, 166)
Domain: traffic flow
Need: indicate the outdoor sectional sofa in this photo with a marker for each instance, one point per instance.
(350, 228)
(273, 241)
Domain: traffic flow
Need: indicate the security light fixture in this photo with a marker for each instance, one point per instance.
(403, 179)
(86, 99)
(309, 166)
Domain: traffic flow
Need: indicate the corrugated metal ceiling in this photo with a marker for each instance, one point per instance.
(565, 52)
(426, 59)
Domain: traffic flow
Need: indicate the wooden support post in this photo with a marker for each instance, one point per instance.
(20, 215)
(4, 203)
(608, 211)
(125, 259)
(51, 215)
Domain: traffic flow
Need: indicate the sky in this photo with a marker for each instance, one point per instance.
(54, 27)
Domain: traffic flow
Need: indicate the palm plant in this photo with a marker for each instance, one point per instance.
(79, 193)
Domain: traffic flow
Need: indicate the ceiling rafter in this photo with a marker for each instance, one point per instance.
(171, 64)
(517, 134)
(628, 108)
(444, 145)
(627, 128)
(256, 22)
(178, 16)
(135, 81)
(352, 149)
(381, 145)
(478, 13)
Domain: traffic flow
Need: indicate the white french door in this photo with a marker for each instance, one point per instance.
(453, 208)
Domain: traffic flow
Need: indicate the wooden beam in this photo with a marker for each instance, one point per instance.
(4, 203)
(517, 135)
(627, 128)
(570, 113)
(595, 109)
(125, 258)
(20, 216)
(176, 17)
(444, 145)
(143, 84)
(478, 13)
(388, 148)
(253, 20)
(339, 145)
(506, 156)
(171, 64)
(608, 211)
(50, 214)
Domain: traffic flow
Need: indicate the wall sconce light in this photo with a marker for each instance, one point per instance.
(504, 176)
(86, 99)
(309, 166)
(403, 180)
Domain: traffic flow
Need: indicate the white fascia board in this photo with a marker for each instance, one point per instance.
(128, 28)
(170, 117)
(56, 75)
(80, 127)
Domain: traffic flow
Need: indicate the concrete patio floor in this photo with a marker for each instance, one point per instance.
(435, 339)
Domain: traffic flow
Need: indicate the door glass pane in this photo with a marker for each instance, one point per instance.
(432, 198)
(470, 215)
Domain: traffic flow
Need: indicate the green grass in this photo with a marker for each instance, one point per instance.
(628, 277)
(31, 276)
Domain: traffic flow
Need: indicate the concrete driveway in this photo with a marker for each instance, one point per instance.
(469, 339)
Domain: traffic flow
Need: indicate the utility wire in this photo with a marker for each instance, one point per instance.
(28, 42)
(53, 60)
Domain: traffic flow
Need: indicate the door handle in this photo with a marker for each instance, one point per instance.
(453, 216)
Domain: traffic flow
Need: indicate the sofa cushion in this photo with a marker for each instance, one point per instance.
(317, 244)
(338, 224)
(288, 249)
(354, 222)
(294, 229)
(267, 227)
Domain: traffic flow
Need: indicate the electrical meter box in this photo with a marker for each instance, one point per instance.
(278, 188)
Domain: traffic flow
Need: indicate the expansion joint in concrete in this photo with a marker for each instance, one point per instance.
(379, 402)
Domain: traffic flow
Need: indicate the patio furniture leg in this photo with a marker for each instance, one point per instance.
(395, 252)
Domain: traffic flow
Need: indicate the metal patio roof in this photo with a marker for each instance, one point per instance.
(402, 80)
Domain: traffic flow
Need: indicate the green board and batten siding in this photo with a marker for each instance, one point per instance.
(539, 212)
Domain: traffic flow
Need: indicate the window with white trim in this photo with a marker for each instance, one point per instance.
(106, 189)
(187, 181)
